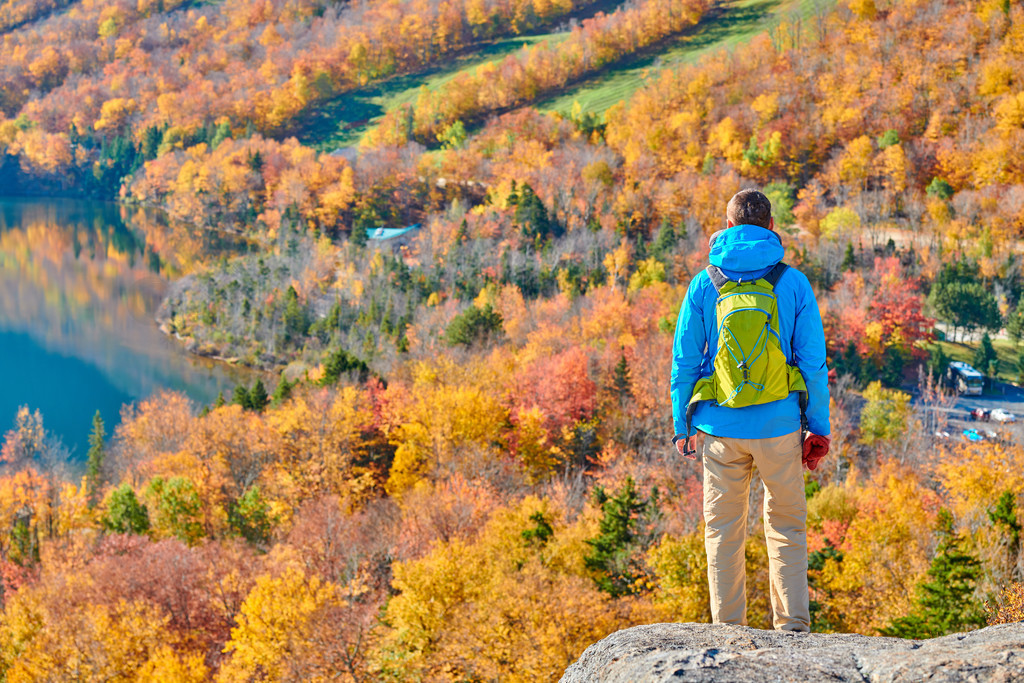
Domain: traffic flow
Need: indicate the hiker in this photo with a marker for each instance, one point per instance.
(748, 372)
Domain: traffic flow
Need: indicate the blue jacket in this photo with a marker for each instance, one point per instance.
(749, 251)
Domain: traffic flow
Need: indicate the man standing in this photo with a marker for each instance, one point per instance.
(749, 372)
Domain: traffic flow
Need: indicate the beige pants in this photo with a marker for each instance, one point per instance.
(728, 466)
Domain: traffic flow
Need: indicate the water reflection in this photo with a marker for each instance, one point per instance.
(79, 284)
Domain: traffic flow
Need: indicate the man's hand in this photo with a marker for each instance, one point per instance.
(680, 447)
(815, 448)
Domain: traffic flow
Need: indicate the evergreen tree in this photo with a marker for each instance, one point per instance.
(282, 391)
(255, 162)
(541, 531)
(849, 258)
(513, 195)
(340, 362)
(665, 241)
(241, 397)
(472, 325)
(849, 361)
(985, 356)
(938, 361)
(1004, 516)
(621, 382)
(357, 237)
(532, 216)
(94, 460)
(125, 514)
(626, 531)
(296, 318)
(219, 403)
(1015, 322)
(150, 145)
(258, 398)
(946, 603)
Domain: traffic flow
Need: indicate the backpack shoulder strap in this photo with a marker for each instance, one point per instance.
(773, 275)
(718, 278)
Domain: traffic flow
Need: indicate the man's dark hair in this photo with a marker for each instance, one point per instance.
(749, 207)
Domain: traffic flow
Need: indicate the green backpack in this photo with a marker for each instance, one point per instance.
(750, 367)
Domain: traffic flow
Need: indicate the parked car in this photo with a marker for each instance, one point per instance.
(973, 435)
(1000, 415)
(942, 434)
(981, 414)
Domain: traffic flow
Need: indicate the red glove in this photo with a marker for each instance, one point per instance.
(815, 448)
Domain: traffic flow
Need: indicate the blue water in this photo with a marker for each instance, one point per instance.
(79, 286)
(66, 390)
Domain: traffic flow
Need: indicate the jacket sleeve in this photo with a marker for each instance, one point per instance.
(687, 352)
(809, 357)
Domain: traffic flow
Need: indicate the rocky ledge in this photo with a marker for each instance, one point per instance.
(706, 652)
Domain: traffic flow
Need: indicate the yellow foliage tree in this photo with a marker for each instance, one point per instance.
(885, 553)
(513, 605)
(276, 637)
(44, 637)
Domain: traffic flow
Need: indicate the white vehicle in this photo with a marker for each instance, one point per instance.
(1000, 415)
(964, 378)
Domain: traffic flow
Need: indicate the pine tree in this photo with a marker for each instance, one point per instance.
(626, 532)
(622, 383)
(1015, 322)
(241, 397)
(219, 403)
(666, 240)
(946, 603)
(296, 319)
(258, 398)
(540, 533)
(532, 215)
(94, 462)
(1004, 515)
(340, 362)
(985, 356)
(849, 259)
(282, 391)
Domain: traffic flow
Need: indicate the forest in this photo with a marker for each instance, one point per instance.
(456, 461)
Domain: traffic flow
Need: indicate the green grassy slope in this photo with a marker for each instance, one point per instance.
(343, 120)
(732, 22)
(1006, 351)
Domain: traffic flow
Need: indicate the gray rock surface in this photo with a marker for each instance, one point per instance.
(707, 652)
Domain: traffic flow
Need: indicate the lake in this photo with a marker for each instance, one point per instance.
(80, 282)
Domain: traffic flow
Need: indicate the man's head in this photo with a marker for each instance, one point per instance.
(750, 207)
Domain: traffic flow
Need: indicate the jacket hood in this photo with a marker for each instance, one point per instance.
(745, 248)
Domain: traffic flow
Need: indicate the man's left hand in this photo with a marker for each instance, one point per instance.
(681, 447)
